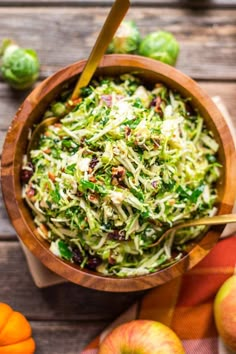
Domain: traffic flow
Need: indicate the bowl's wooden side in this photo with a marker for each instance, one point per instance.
(15, 147)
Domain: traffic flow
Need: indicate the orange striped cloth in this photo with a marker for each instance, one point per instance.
(186, 303)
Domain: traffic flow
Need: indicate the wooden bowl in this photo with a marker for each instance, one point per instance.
(16, 143)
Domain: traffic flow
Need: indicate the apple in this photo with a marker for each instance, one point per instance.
(225, 312)
(141, 337)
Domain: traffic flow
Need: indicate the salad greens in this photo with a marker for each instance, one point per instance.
(125, 163)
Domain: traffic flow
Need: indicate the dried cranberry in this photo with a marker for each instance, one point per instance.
(154, 184)
(189, 109)
(93, 262)
(93, 162)
(153, 102)
(107, 99)
(118, 235)
(27, 173)
(77, 256)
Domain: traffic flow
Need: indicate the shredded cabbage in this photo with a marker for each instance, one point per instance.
(126, 163)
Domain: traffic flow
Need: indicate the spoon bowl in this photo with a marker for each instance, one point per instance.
(207, 221)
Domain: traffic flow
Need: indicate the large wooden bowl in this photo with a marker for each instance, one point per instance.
(30, 113)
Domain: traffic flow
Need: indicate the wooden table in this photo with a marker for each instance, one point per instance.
(65, 317)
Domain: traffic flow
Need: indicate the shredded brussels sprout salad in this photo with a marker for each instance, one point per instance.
(123, 164)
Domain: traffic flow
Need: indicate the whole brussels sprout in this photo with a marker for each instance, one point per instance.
(19, 66)
(59, 109)
(161, 46)
(126, 39)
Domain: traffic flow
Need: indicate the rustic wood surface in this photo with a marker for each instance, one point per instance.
(207, 36)
(66, 317)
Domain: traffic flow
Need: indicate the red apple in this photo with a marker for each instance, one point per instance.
(141, 337)
(225, 312)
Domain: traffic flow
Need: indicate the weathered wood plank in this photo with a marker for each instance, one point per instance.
(61, 302)
(65, 337)
(64, 35)
(173, 3)
(7, 232)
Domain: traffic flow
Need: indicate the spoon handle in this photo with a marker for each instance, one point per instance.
(210, 220)
(114, 18)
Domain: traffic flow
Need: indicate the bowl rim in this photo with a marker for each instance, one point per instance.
(72, 272)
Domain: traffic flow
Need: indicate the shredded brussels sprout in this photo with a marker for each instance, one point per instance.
(125, 163)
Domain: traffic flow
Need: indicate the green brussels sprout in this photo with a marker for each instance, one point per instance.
(126, 39)
(161, 46)
(59, 109)
(19, 66)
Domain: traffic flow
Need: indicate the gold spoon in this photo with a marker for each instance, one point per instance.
(211, 220)
(113, 20)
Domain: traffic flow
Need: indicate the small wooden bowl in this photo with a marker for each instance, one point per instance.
(30, 113)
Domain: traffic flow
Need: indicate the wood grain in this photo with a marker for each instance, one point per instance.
(206, 36)
(18, 290)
